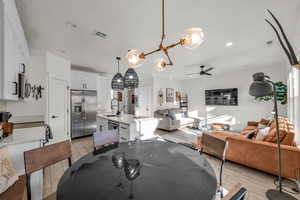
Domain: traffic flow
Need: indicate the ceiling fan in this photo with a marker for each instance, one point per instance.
(203, 71)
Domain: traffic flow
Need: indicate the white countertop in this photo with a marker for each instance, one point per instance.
(27, 119)
(124, 118)
(26, 135)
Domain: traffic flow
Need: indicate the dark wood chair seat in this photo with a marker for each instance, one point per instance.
(17, 191)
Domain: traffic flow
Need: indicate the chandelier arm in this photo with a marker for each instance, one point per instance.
(154, 51)
(167, 54)
(174, 45)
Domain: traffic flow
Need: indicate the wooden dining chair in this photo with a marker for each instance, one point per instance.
(17, 191)
(43, 157)
(236, 193)
(216, 147)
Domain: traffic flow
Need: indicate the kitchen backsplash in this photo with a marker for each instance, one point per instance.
(2, 105)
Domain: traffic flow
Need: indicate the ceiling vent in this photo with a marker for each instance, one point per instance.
(100, 34)
(269, 43)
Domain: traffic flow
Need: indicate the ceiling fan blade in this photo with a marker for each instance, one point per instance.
(209, 69)
(191, 74)
(208, 74)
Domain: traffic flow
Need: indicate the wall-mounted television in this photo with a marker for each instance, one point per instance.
(225, 97)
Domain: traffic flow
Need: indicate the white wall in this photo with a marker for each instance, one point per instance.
(2, 106)
(104, 93)
(248, 108)
(294, 90)
(36, 74)
(163, 83)
(58, 67)
(41, 65)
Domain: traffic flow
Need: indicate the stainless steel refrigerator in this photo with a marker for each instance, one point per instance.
(84, 113)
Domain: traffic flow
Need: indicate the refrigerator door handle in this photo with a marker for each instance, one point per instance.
(83, 113)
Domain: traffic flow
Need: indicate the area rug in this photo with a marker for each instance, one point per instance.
(182, 135)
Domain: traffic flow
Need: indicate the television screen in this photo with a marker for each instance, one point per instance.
(226, 97)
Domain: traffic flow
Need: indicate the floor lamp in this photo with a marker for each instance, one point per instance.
(263, 86)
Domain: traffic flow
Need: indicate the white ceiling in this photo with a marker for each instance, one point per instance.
(137, 24)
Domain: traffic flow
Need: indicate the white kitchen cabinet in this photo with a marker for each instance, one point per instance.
(14, 50)
(83, 80)
(124, 132)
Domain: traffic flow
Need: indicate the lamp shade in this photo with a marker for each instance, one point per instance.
(131, 79)
(260, 86)
(117, 83)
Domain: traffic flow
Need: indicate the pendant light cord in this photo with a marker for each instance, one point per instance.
(118, 59)
(163, 21)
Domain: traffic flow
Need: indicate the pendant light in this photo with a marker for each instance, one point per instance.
(192, 38)
(117, 83)
(131, 79)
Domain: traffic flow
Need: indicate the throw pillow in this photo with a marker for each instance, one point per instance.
(262, 133)
(8, 175)
(251, 134)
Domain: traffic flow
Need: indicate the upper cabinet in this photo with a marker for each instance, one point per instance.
(83, 80)
(14, 52)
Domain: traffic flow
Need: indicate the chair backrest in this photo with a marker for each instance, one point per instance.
(236, 193)
(214, 145)
(43, 157)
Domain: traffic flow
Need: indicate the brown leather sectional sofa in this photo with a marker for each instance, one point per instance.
(262, 155)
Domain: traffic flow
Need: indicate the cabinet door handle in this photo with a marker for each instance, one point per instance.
(16, 88)
(23, 68)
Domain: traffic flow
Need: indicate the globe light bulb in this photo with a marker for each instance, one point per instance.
(160, 65)
(193, 37)
(133, 58)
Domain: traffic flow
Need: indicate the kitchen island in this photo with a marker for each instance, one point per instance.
(130, 127)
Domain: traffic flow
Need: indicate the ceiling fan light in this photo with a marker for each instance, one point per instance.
(134, 58)
(160, 65)
(192, 38)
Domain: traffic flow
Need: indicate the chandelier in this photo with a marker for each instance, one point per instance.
(191, 39)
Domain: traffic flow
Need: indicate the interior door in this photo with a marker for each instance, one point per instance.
(90, 111)
(58, 109)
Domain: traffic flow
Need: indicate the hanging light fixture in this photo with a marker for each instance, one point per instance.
(192, 38)
(131, 79)
(117, 83)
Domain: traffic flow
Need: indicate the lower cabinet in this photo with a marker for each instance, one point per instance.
(102, 124)
(16, 152)
(124, 132)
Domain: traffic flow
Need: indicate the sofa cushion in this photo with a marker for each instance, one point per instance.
(246, 130)
(289, 139)
(265, 122)
(285, 127)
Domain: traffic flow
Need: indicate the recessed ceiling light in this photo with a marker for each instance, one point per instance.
(228, 44)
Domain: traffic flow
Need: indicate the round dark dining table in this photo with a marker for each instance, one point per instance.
(168, 171)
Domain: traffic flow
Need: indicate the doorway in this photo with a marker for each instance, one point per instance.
(58, 109)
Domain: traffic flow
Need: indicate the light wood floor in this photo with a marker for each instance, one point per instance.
(255, 181)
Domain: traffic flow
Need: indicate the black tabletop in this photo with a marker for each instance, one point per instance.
(167, 171)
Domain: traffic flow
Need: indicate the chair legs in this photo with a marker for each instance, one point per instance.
(201, 151)
(221, 180)
(70, 161)
(28, 187)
